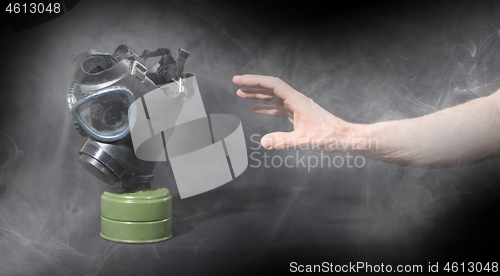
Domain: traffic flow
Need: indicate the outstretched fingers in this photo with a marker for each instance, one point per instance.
(259, 94)
(280, 88)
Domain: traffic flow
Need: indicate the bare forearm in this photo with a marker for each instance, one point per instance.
(458, 135)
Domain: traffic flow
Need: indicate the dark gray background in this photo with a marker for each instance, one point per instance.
(362, 62)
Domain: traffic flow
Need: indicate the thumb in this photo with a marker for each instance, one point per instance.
(279, 140)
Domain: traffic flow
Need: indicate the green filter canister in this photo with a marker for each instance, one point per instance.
(137, 217)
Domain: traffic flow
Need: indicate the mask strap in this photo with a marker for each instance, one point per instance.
(159, 52)
(126, 52)
(182, 56)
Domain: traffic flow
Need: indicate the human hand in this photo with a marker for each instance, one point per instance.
(314, 127)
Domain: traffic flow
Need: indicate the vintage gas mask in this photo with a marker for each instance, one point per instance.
(99, 99)
(134, 117)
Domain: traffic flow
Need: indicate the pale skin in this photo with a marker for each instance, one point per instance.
(459, 135)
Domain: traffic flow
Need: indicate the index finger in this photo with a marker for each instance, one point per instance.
(279, 87)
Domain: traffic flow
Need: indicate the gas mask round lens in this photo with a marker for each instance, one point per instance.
(103, 114)
(106, 115)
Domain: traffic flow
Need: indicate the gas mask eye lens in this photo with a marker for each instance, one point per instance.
(104, 113)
